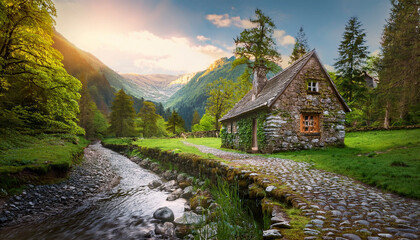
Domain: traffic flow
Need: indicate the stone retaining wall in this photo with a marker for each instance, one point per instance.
(256, 185)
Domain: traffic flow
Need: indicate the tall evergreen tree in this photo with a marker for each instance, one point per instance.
(196, 118)
(256, 48)
(175, 123)
(35, 89)
(301, 46)
(122, 115)
(399, 75)
(352, 57)
(149, 117)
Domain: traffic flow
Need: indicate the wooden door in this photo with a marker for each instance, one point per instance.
(254, 135)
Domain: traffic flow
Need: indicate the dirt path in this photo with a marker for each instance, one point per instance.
(343, 204)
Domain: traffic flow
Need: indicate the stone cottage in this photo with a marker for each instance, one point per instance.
(299, 108)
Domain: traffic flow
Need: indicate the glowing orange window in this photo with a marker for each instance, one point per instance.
(309, 123)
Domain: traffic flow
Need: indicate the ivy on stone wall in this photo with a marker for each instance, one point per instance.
(245, 133)
(261, 138)
(227, 138)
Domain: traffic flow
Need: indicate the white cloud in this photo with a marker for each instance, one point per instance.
(224, 20)
(282, 38)
(329, 68)
(144, 52)
(202, 38)
(219, 20)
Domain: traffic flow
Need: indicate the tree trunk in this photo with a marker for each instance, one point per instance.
(386, 120)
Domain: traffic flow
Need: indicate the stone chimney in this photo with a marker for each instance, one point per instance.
(260, 79)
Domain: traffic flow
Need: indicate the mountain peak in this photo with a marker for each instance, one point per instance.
(217, 63)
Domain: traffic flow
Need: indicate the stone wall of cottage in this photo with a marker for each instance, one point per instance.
(282, 125)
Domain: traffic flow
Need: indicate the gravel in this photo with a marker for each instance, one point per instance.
(35, 203)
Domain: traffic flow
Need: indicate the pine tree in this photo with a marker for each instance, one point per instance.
(399, 75)
(149, 118)
(352, 57)
(175, 123)
(122, 115)
(196, 118)
(301, 46)
(256, 48)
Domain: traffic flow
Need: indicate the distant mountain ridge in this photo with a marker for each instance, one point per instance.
(157, 87)
(193, 96)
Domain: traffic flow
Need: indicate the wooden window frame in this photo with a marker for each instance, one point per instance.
(311, 88)
(309, 123)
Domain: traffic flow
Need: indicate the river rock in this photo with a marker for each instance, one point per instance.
(164, 214)
(168, 175)
(154, 184)
(168, 186)
(272, 234)
(188, 192)
(166, 229)
(189, 218)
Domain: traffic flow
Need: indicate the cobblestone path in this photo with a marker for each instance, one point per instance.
(342, 208)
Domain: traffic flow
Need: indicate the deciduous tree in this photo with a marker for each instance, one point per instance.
(221, 98)
(34, 86)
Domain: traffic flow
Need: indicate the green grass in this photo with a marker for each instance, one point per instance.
(37, 154)
(175, 145)
(387, 159)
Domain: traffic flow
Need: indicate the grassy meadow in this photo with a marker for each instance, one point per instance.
(389, 160)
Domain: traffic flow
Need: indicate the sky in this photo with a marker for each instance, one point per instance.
(184, 36)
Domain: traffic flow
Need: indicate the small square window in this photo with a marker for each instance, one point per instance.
(309, 123)
(313, 86)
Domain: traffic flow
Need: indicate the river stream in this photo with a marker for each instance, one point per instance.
(123, 213)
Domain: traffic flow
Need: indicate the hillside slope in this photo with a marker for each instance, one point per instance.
(102, 81)
(193, 95)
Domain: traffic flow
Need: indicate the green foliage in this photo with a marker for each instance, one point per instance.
(227, 138)
(175, 123)
(37, 154)
(261, 138)
(122, 115)
(149, 119)
(245, 133)
(301, 46)
(206, 124)
(232, 218)
(399, 86)
(221, 98)
(35, 90)
(256, 47)
(352, 56)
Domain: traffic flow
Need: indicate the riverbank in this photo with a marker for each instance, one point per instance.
(35, 203)
(36, 159)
